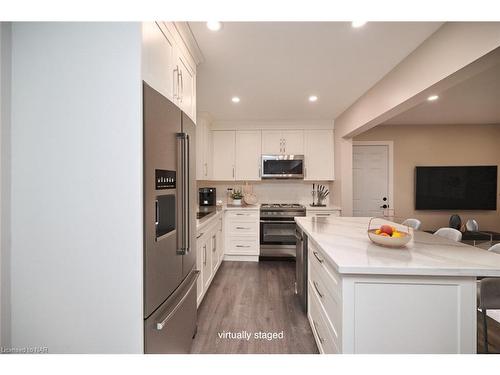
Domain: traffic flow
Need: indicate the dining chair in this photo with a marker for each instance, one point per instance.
(412, 223)
(495, 248)
(449, 233)
(488, 298)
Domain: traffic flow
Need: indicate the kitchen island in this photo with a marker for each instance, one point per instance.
(363, 298)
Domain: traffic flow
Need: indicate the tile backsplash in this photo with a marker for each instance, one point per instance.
(271, 191)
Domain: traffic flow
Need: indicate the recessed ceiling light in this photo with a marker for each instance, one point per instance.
(214, 25)
(432, 98)
(313, 98)
(357, 24)
(235, 99)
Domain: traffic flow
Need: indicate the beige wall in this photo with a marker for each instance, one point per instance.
(438, 145)
(455, 52)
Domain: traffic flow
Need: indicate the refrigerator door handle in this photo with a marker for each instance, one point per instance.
(187, 214)
(160, 324)
(183, 214)
(181, 210)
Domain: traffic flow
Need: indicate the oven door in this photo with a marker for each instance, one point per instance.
(277, 232)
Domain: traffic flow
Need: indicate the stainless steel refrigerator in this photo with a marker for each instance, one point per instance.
(169, 226)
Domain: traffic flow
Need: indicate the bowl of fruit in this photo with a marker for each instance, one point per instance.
(386, 234)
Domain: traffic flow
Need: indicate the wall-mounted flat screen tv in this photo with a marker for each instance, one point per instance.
(456, 188)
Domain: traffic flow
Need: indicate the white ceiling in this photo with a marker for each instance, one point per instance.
(274, 66)
(474, 101)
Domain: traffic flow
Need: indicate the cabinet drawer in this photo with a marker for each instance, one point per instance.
(334, 213)
(243, 227)
(328, 298)
(243, 245)
(327, 342)
(324, 271)
(243, 215)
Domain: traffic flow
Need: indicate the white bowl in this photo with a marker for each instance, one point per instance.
(389, 241)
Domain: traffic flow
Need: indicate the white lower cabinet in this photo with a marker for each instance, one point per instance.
(209, 253)
(389, 314)
(321, 213)
(242, 235)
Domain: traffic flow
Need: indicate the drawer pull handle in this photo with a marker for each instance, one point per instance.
(243, 228)
(323, 214)
(317, 289)
(317, 257)
(321, 340)
(198, 236)
(242, 245)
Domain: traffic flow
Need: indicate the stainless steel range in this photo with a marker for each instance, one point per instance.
(277, 229)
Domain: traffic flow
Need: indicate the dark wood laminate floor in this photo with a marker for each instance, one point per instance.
(253, 297)
(493, 335)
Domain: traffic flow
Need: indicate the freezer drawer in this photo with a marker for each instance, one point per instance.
(171, 328)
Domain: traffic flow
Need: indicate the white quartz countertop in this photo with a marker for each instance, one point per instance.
(344, 242)
(205, 221)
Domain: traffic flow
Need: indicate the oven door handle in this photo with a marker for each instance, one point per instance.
(278, 221)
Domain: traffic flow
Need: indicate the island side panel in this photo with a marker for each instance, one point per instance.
(400, 314)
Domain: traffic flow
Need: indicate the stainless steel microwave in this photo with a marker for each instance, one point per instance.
(283, 166)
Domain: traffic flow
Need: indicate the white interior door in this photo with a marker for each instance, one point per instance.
(370, 179)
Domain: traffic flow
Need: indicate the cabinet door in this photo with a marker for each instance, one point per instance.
(207, 262)
(220, 241)
(294, 142)
(157, 59)
(319, 155)
(199, 266)
(186, 87)
(248, 155)
(213, 249)
(203, 141)
(272, 142)
(223, 142)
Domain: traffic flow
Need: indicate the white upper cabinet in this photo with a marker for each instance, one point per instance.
(185, 84)
(248, 155)
(223, 155)
(293, 142)
(157, 59)
(318, 156)
(272, 142)
(203, 149)
(167, 65)
(275, 142)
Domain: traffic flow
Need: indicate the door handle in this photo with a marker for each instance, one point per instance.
(317, 290)
(187, 194)
(204, 255)
(161, 324)
(215, 243)
(183, 214)
(157, 213)
(317, 257)
(175, 74)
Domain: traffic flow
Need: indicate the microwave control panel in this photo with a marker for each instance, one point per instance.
(164, 179)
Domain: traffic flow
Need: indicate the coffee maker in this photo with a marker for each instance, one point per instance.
(207, 197)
